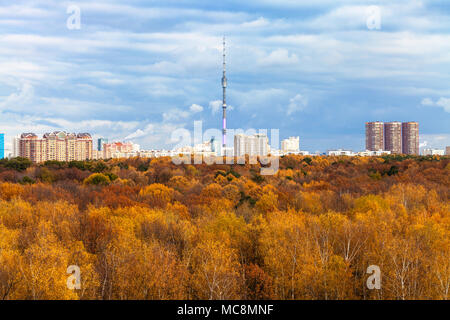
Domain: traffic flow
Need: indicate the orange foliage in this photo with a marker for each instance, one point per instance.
(150, 229)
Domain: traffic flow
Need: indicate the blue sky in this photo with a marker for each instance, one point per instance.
(141, 69)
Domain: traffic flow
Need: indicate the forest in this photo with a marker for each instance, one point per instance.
(149, 229)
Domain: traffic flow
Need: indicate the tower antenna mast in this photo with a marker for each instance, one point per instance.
(224, 102)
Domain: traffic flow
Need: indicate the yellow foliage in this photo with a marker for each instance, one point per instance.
(268, 202)
(10, 190)
(180, 209)
(232, 193)
(212, 190)
(157, 194)
(215, 274)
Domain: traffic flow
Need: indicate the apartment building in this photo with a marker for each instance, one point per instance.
(374, 136)
(252, 145)
(58, 145)
(393, 137)
(410, 138)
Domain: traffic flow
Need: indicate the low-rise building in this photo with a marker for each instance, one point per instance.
(433, 152)
(369, 153)
(350, 153)
(340, 152)
(115, 149)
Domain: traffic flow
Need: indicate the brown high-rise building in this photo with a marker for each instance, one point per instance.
(31, 147)
(374, 136)
(58, 145)
(410, 138)
(393, 137)
(109, 149)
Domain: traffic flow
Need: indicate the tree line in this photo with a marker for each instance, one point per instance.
(149, 229)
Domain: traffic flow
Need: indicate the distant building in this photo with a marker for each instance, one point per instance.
(156, 153)
(16, 146)
(118, 147)
(290, 145)
(117, 150)
(340, 152)
(58, 145)
(433, 152)
(2, 145)
(393, 137)
(368, 153)
(240, 145)
(350, 153)
(214, 145)
(100, 143)
(410, 138)
(374, 136)
(136, 147)
(205, 149)
(252, 145)
(447, 151)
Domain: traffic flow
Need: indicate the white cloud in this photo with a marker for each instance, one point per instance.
(260, 22)
(444, 103)
(124, 59)
(427, 102)
(254, 99)
(297, 103)
(434, 141)
(194, 108)
(14, 100)
(69, 108)
(215, 106)
(23, 12)
(279, 57)
(155, 135)
(137, 134)
(175, 115)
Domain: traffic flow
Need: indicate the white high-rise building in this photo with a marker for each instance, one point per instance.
(252, 145)
(239, 144)
(16, 146)
(291, 145)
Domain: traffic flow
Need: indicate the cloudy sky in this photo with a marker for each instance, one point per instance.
(140, 70)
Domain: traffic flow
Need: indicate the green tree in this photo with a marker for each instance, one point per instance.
(18, 164)
(97, 179)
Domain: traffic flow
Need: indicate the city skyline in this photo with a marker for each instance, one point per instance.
(127, 75)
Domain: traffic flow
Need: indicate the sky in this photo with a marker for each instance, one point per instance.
(140, 70)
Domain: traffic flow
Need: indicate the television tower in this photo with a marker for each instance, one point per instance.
(224, 103)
